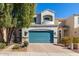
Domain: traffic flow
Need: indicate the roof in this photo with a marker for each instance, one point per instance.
(40, 30)
(59, 18)
(71, 16)
(43, 25)
(75, 14)
(48, 10)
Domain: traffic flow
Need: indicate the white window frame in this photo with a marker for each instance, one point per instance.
(76, 20)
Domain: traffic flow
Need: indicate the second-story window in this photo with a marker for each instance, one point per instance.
(47, 17)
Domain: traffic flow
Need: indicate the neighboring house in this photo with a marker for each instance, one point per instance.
(70, 27)
(73, 23)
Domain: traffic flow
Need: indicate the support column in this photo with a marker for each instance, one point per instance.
(55, 36)
(62, 33)
(24, 34)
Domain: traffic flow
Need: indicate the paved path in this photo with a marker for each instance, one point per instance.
(41, 50)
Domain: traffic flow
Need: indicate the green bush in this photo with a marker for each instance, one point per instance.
(2, 45)
(66, 41)
(25, 43)
(75, 39)
(16, 46)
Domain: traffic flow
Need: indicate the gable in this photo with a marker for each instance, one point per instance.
(47, 12)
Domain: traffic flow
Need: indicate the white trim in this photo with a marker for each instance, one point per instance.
(42, 43)
(76, 25)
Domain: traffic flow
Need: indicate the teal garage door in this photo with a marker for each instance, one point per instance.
(41, 36)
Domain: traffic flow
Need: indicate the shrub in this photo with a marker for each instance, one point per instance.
(16, 46)
(2, 45)
(75, 39)
(75, 42)
(66, 41)
(25, 43)
(70, 42)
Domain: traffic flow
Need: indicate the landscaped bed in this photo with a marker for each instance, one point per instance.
(70, 43)
(2, 45)
(20, 47)
(19, 50)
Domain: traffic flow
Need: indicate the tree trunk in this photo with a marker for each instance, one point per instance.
(1, 35)
(9, 34)
(4, 35)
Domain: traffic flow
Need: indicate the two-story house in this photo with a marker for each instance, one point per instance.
(44, 28)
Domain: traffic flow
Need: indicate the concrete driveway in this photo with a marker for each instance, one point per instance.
(42, 50)
(50, 49)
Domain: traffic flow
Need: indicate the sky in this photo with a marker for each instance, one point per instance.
(62, 10)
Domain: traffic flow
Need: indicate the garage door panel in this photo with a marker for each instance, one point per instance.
(41, 36)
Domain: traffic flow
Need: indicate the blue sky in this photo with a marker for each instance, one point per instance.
(62, 10)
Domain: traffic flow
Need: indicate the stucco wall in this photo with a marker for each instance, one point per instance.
(72, 22)
(46, 12)
(76, 32)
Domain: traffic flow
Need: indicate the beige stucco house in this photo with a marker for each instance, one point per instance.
(71, 26)
(73, 23)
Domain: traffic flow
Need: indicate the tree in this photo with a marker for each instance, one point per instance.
(24, 15)
(6, 19)
(1, 21)
(15, 16)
